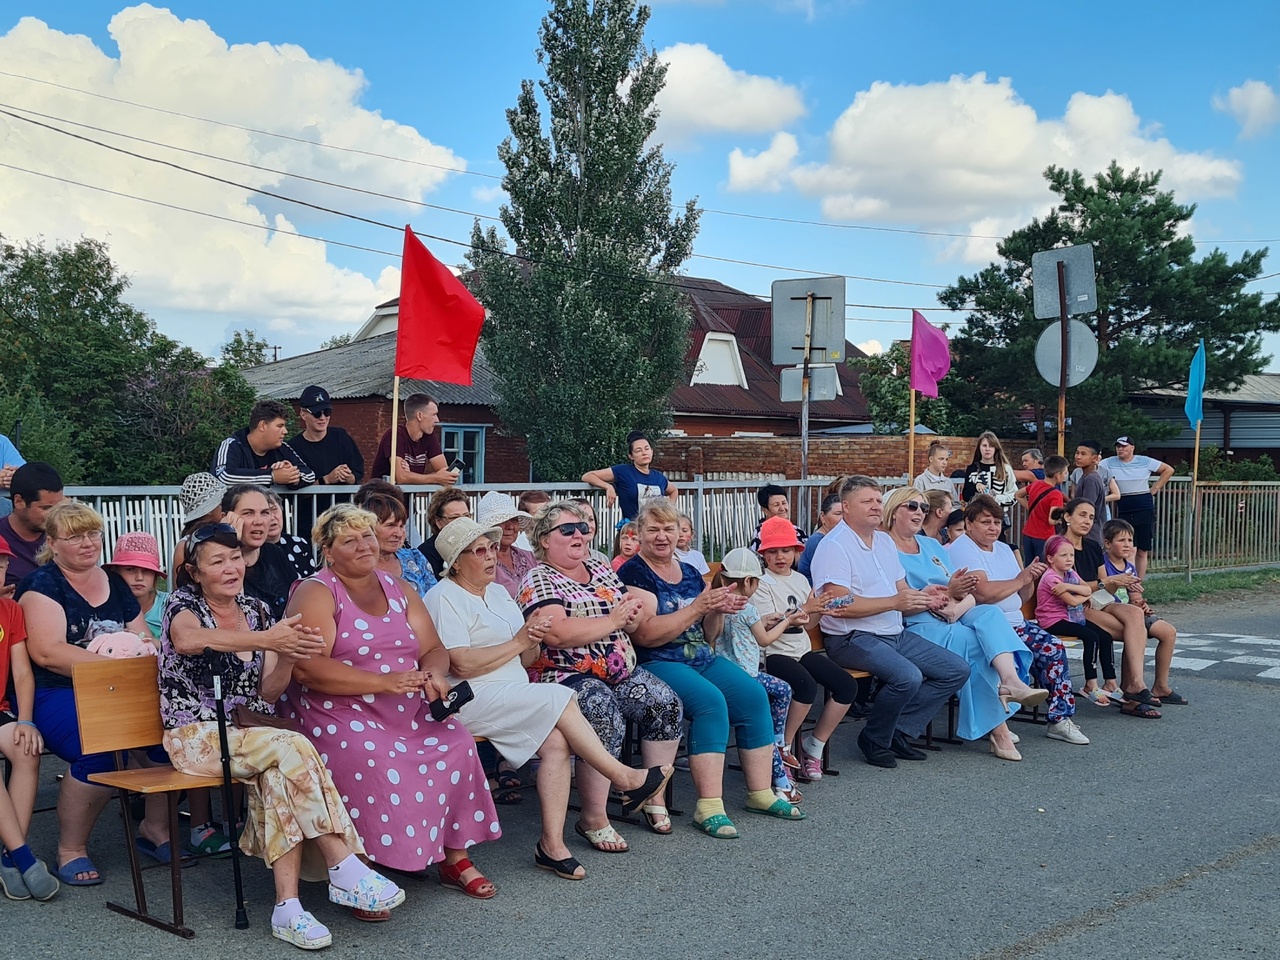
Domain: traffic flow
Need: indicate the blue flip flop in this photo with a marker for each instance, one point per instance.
(161, 853)
(67, 872)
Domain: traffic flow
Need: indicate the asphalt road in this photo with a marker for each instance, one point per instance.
(1158, 840)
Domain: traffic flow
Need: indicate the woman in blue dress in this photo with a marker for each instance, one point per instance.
(981, 634)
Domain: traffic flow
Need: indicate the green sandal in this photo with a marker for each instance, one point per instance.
(719, 826)
(781, 809)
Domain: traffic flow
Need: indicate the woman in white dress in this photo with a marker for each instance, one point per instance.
(487, 639)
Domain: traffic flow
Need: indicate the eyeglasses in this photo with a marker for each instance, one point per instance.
(326, 412)
(483, 551)
(80, 539)
(569, 529)
(915, 505)
(211, 530)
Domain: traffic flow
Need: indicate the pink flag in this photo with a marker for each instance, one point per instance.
(930, 355)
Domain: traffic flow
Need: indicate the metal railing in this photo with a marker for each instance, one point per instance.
(1233, 523)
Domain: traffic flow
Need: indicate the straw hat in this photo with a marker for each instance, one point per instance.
(496, 508)
(460, 534)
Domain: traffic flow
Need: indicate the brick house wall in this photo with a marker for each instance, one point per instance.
(879, 456)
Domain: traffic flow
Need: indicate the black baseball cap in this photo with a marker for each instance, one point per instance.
(314, 398)
(1123, 442)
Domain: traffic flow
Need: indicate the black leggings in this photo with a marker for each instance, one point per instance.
(1097, 646)
(804, 676)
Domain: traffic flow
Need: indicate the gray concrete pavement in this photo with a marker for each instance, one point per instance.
(1159, 840)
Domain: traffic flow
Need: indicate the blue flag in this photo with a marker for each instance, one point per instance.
(1195, 387)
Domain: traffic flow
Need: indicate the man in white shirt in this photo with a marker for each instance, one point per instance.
(1137, 494)
(858, 559)
(1002, 583)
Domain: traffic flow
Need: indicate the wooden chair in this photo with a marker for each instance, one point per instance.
(118, 707)
(712, 570)
(818, 642)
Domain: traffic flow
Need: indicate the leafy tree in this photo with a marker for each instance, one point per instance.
(103, 396)
(337, 340)
(1155, 301)
(245, 349)
(586, 332)
(884, 381)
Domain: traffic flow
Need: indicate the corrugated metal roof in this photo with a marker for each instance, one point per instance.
(365, 369)
(1261, 388)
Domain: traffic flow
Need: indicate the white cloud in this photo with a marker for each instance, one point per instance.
(181, 264)
(489, 194)
(1253, 104)
(871, 347)
(705, 95)
(968, 153)
(767, 170)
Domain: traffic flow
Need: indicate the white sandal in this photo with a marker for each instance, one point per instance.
(657, 816)
(305, 932)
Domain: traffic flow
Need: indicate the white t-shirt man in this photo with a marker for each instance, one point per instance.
(998, 563)
(843, 559)
(1134, 476)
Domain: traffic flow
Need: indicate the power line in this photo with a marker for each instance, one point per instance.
(490, 176)
(368, 220)
(252, 166)
(237, 126)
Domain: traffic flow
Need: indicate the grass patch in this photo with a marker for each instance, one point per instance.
(1171, 589)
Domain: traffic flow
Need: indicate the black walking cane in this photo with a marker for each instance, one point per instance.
(228, 802)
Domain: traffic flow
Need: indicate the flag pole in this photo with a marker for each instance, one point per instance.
(1191, 505)
(911, 436)
(395, 423)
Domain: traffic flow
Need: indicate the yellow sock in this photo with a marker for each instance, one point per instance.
(761, 799)
(708, 807)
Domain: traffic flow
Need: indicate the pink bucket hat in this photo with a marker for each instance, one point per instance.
(137, 550)
(777, 532)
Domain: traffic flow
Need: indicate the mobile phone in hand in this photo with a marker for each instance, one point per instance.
(457, 466)
(451, 702)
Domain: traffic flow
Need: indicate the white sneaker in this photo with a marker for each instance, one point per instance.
(1066, 731)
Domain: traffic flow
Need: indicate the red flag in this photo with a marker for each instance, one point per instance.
(440, 321)
(930, 355)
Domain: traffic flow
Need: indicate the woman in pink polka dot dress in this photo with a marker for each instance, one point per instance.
(414, 787)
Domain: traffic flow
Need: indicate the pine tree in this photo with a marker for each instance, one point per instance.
(586, 332)
(1155, 301)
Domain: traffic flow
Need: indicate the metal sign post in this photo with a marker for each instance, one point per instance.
(822, 330)
(1069, 272)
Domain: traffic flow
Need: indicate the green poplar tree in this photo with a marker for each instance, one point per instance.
(586, 332)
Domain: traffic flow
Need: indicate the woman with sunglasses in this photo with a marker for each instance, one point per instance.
(417, 788)
(585, 647)
(487, 639)
(292, 800)
(66, 602)
(997, 657)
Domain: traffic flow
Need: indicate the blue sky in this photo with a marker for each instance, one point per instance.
(924, 116)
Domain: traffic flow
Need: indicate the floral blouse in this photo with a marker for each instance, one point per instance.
(415, 571)
(185, 696)
(690, 647)
(611, 659)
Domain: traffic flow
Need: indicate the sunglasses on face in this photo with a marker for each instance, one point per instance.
(569, 529)
(324, 412)
(915, 505)
(483, 551)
